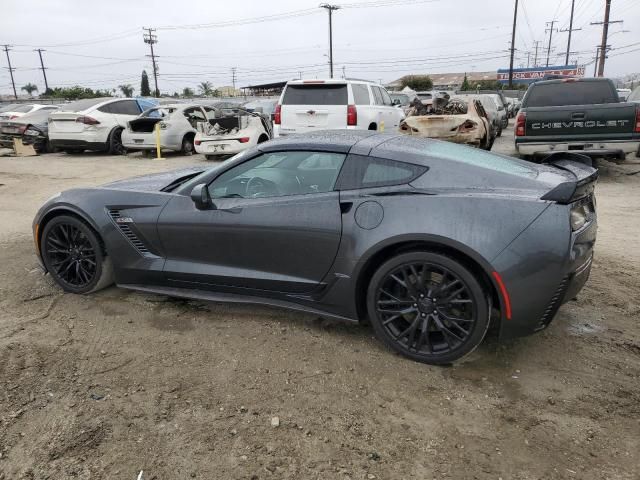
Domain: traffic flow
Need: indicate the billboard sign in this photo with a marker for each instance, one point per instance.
(528, 75)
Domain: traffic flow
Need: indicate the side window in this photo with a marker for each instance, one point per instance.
(360, 94)
(106, 108)
(365, 172)
(125, 107)
(280, 174)
(386, 99)
(377, 95)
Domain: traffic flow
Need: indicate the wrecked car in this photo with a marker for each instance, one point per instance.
(233, 134)
(178, 124)
(31, 129)
(459, 120)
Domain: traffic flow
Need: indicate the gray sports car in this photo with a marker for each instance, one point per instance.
(428, 241)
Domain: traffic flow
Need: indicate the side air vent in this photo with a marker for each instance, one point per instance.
(554, 304)
(123, 224)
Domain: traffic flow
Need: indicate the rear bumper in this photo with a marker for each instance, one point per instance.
(546, 266)
(67, 143)
(147, 140)
(593, 149)
(222, 147)
(38, 142)
(279, 131)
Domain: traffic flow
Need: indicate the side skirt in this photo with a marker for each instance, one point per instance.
(233, 298)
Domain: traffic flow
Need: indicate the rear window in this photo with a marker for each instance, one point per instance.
(327, 94)
(81, 105)
(570, 93)
(23, 108)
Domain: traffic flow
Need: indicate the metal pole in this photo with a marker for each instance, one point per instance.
(330, 9)
(150, 38)
(13, 83)
(552, 22)
(573, 4)
(513, 44)
(605, 32)
(595, 63)
(44, 73)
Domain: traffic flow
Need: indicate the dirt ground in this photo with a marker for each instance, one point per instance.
(107, 385)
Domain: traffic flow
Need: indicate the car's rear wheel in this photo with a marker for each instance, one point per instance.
(115, 143)
(187, 145)
(73, 255)
(428, 307)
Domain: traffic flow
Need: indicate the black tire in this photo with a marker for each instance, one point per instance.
(74, 256)
(442, 313)
(187, 145)
(499, 133)
(211, 157)
(373, 126)
(262, 139)
(115, 143)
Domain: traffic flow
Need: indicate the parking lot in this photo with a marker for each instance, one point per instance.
(107, 385)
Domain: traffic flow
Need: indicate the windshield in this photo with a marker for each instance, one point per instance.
(401, 97)
(267, 107)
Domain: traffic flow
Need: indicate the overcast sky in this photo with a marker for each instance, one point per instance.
(99, 44)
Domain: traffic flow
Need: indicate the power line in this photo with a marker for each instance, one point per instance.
(13, 83)
(152, 39)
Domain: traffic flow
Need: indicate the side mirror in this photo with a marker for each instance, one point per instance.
(201, 198)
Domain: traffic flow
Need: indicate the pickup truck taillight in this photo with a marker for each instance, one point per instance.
(352, 115)
(521, 121)
(637, 129)
(87, 120)
(277, 114)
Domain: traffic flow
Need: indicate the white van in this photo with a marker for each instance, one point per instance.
(307, 105)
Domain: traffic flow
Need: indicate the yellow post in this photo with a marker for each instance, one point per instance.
(158, 152)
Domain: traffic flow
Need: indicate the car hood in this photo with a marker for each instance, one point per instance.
(156, 181)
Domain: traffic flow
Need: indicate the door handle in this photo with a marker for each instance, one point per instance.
(345, 207)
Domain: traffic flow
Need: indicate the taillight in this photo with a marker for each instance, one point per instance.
(244, 139)
(197, 142)
(276, 114)
(637, 129)
(352, 115)
(87, 120)
(521, 121)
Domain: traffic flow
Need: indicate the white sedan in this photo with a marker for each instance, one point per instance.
(233, 134)
(17, 110)
(178, 126)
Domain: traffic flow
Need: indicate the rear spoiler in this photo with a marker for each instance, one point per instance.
(581, 166)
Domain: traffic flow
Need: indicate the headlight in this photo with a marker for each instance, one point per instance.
(579, 216)
(31, 132)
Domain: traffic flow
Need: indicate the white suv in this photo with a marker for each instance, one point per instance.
(94, 123)
(334, 104)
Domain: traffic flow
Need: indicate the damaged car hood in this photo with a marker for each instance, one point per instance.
(437, 126)
(156, 181)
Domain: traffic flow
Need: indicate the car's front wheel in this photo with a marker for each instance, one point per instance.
(73, 255)
(428, 307)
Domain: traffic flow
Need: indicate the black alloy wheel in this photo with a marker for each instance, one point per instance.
(73, 255)
(428, 307)
(115, 143)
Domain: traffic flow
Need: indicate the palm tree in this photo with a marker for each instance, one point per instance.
(206, 88)
(30, 88)
(187, 92)
(127, 90)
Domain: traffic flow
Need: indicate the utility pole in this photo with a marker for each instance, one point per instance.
(595, 63)
(605, 33)
(151, 38)
(330, 9)
(513, 44)
(344, 73)
(44, 73)
(535, 58)
(233, 80)
(570, 29)
(13, 83)
(528, 58)
(550, 30)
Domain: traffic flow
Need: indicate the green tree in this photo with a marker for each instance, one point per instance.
(145, 90)
(188, 92)
(77, 92)
(206, 89)
(30, 88)
(417, 82)
(465, 84)
(127, 90)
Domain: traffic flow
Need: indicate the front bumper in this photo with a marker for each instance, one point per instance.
(593, 149)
